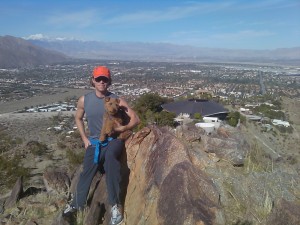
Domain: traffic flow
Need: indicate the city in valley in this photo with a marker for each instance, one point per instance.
(236, 83)
(37, 108)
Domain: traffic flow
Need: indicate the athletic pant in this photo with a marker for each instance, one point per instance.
(109, 158)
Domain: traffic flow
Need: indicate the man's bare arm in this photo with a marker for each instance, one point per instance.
(134, 119)
(79, 121)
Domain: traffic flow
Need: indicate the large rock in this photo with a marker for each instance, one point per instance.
(56, 181)
(189, 132)
(16, 193)
(228, 144)
(164, 186)
(286, 213)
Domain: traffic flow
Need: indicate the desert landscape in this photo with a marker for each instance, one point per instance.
(271, 155)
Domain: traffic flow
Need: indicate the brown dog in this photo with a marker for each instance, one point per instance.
(114, 115)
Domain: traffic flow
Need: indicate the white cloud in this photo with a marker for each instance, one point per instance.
(242, 34)
(172, 13)
(190, 9)
(77, 19)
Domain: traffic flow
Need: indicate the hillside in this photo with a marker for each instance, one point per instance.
(17, 52)
(178, 177)
(228, 177)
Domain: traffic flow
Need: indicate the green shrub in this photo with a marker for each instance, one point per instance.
(198, 116)
(7, 142)
(61, 145)
(10, 170)
(165, 119)
(243, 223)
(148, 108)
(233, 118)
(257, 160)
(37, 148)
(75, 159)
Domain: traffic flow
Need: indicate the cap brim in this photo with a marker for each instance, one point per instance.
(96, 76)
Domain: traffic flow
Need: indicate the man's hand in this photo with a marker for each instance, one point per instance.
(119, 128)
(87, 143)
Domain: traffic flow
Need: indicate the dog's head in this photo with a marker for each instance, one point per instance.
(111, 105)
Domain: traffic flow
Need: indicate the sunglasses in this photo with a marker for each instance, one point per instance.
(103, 79)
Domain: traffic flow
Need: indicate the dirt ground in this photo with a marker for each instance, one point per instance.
(30, 126)
(292, 109)
(62, 94)
(280, 146)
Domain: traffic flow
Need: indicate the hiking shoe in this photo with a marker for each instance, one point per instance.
(69, 211)
(116, 215)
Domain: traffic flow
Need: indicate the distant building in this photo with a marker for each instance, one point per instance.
(205, 107)
(280, 123)
(210, 119)
(245, 111)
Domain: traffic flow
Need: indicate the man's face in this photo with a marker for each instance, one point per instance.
(101, 83)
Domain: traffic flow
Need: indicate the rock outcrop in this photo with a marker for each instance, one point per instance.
(165, 185)
(228, 144)
(179, 177)
(17, 191)
(56, 181)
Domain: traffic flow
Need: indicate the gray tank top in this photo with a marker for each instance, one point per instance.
(94, 110)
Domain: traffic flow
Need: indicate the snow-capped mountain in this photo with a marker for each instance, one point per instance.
(161, 51)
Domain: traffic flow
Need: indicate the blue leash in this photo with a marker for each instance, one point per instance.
(98, 144)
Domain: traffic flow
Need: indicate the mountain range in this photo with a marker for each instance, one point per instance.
(165, 52)
(18, 52)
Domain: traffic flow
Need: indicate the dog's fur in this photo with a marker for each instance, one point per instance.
(114, 115)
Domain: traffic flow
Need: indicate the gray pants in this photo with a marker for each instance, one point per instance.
(109, 159)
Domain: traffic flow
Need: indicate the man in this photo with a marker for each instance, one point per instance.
(92, 106)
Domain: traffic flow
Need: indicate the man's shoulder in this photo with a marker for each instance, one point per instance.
(89, 94)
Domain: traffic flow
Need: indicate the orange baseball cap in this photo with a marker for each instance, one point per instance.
(101, 71)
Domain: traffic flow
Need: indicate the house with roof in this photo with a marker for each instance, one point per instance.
(205, 107)
(280, 123)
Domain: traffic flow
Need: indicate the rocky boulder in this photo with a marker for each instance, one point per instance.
(165, 185)
(56, 181)
(228, 144)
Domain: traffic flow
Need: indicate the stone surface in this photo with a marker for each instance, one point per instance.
(227, 144)
(286, 212)
(165, 185)
(15, 194)
(56, 181)
(189, 132)
(98, 206)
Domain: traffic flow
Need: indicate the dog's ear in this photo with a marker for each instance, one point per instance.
(107, 99)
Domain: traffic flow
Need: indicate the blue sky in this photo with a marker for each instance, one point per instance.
(253, 24)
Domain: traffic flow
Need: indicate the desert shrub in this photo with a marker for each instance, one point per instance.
(283, 129)
(74, 158)
(37, 148)
(57, 119)
(148, 107)
(291, 160)
(61, 145)
(243, 119)
(165, 119)
(10, 170)
(257, 160)
(76, 134)
(233, 118)
(243, 223)
(7, 142)
(198, 116)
